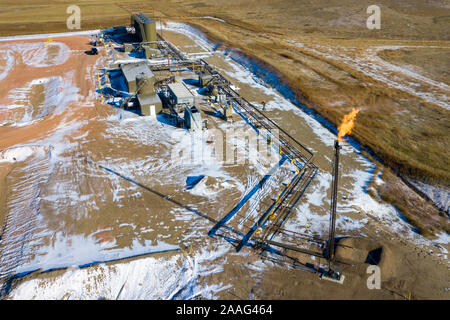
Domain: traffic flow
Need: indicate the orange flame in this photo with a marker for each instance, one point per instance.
(347, 124)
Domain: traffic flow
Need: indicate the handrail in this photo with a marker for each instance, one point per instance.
(304, 175)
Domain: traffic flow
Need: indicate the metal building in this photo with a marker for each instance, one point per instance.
(149, 101)
(145, 28)
(180, 95)
(193, 119)
(150, 104)
(141, 81)
(132, 70)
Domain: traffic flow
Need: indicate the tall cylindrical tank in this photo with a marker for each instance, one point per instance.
(145, 84)
(150, 32)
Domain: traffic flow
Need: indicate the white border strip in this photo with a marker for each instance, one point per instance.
(48, 35)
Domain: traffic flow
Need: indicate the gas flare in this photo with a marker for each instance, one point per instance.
(347, 124)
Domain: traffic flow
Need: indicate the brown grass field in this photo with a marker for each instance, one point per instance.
(407, 130)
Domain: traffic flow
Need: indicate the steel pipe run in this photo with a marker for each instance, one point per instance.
(290, 147)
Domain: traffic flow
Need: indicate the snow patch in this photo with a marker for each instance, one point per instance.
(9, 63)
(58, 93)
(198, 37)
(174, 277)
(214, 18)
(48, 35)
(16, 154)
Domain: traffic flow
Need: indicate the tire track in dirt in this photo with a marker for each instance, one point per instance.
(20, 229)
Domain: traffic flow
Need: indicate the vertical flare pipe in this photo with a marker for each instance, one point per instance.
(331, 244)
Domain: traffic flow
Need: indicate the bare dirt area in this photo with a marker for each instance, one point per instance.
(96, 204)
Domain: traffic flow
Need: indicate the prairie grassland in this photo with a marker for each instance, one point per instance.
(433, 63)
(410, 134)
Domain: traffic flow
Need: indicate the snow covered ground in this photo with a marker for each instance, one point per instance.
(173, 277)
(440, 195)
(57, 94)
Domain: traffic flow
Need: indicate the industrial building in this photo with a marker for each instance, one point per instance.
(145, 28)
(141, 81)
(193, 119)
(180, 96)
(150, 104)
(131, 70)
